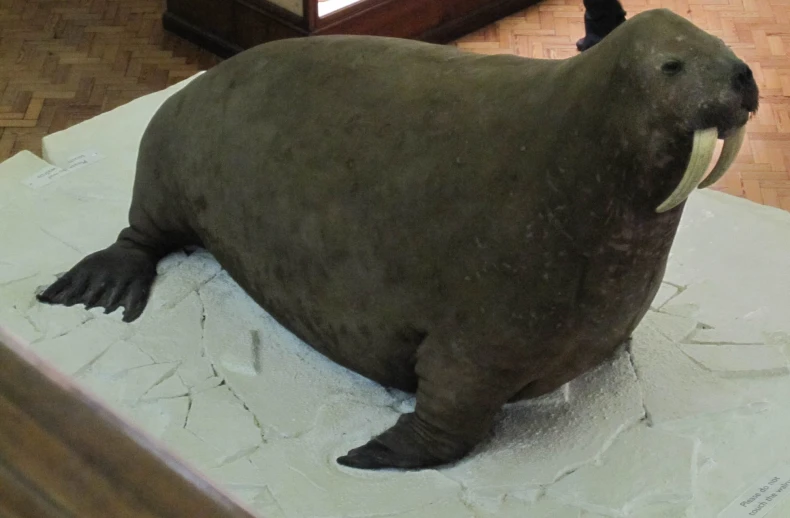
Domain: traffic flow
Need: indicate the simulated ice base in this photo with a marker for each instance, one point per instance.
(693, 421)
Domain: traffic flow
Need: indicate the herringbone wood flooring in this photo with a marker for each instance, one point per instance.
(64, 61)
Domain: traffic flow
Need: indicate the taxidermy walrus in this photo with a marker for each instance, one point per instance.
(478, 229)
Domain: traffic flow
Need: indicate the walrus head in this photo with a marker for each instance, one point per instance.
(694, 85)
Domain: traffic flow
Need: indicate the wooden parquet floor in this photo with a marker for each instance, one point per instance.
(64, 61)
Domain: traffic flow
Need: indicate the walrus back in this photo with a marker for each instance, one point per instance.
(307, 166)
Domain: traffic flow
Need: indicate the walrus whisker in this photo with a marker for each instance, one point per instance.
(730, 150)
(701, 154)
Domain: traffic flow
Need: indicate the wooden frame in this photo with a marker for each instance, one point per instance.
(227, 27)
(64, 455)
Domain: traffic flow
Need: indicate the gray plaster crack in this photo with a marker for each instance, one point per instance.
(678, 287)
(246, 408)
(596, 459)
(164, 398)
(672, 339)
(763, 371)
(696, 466)
(197, 437)
(647, 418)
(724, 342)
(308, 479)
(33, 301)
(85, 368)
(239, 455)
(33, 325)
(573, 469)
(132, 369)
(467, 495)
(153, 360)
(267, 500)
(632, 507)
(467, 498)
(61, 241)
(701, 326)
(189, 411)
(172, 304)
(20, 279)
(166, 376)
(663, 302)
(698, 363)
(203, 351)
(44, 337)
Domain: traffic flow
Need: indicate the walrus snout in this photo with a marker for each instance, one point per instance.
(737, 101)
(744, 84)
(725, 119)
(743, 81)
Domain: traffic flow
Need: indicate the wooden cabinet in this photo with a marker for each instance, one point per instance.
(63, 454)
(226, 27)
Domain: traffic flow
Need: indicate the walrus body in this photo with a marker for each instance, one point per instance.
(477, 229)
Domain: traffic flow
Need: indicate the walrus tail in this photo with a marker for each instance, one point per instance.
(120, 275)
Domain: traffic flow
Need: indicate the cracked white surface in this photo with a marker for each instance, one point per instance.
(652, 466)
(219, 418)
(737, 360)
(675, 427)
(664, 295)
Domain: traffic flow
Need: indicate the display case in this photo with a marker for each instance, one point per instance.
(226, 27)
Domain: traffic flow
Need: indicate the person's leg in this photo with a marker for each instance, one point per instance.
(600, 18)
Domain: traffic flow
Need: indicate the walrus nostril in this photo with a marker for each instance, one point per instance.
(742, 77)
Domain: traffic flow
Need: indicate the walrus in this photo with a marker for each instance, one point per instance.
(474, 229)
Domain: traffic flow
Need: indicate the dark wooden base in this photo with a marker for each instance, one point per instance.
(226, 27)
(65, 454)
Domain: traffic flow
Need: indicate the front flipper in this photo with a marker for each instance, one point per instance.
(120, 275)
(457, 402)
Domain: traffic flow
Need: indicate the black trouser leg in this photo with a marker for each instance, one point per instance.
(600, 18)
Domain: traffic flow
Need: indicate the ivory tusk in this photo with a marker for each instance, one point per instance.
(701, 154)
(730, 149)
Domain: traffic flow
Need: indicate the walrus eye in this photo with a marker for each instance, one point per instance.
(672, 67)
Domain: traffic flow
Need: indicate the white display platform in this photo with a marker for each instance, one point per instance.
(695, 419)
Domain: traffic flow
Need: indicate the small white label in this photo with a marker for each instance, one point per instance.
(762, 497)
(45, 176)
(82, 159)
(51, 173)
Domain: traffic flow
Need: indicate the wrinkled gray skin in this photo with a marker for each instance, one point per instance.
(478, 229)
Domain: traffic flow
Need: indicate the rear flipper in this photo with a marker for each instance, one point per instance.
(120, 275)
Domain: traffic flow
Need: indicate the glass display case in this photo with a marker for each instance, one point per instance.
(226, 27)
